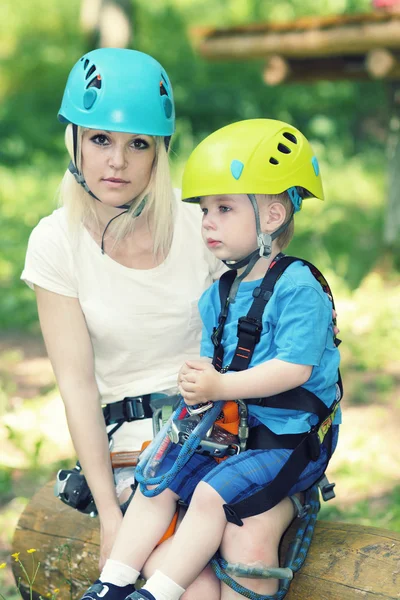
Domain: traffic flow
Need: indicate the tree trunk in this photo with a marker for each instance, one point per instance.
(392, 216)
(344, 562)
(107, 23)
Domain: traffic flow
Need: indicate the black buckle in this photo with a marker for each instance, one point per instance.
(133, 408)
(265, 294)
(251, 327)
(215, 336)
(231, 515)
(314, 445)
(326, 488)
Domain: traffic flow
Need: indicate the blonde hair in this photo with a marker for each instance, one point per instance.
(284, 238)
(159, 207)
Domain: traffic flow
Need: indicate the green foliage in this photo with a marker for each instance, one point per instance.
(381, 511)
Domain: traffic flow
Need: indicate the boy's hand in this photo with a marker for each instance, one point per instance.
(199, 382)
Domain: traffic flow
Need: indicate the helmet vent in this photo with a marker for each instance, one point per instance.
(163, 91)
(90, 72)
(284, 149)
(273, 161)
(85, 64)
(95, 82)
(290, 137)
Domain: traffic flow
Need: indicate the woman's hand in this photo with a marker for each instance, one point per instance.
(199, 382)
(108, 532)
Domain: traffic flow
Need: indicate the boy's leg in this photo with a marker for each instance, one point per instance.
(206, 585)
(145, 522)
(256, 542)
(147, 519)
(194, 544)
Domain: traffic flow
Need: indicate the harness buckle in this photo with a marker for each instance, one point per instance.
(326, 488)
(214, 337)
(250, 326)
(133, 409)
(313, 444)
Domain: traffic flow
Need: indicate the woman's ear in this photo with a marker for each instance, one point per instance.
(274, 215)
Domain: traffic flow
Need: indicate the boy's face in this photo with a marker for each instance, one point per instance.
(229, 226)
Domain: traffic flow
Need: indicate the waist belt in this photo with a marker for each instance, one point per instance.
(129, 409)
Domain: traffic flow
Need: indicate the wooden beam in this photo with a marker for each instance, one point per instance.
(279, 69)
(345, 561)
(348, 39)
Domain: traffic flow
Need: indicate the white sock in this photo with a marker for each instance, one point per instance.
(117, 573)
(162, 587)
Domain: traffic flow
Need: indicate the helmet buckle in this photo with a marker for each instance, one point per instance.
(264, 241)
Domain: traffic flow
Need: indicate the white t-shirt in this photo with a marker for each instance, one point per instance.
(143, 323)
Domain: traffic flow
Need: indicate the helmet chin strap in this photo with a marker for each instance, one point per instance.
(79, 178)
(264, 243)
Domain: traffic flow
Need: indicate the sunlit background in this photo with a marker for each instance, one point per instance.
(353, 123)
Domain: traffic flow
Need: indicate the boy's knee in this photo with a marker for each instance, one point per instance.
(249, 544)
(206, 498)
(259, 538)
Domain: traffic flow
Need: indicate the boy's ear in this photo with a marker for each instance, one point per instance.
(273, 217)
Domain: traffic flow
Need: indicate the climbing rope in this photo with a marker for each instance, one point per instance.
(153, 455)
(294, 559)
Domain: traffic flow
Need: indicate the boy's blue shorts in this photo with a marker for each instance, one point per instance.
(242, 475)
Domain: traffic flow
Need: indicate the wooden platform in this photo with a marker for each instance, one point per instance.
(345, 562)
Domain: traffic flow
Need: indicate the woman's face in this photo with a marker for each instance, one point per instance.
(117, 166)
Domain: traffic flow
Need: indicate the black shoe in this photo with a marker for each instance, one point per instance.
(107, 591)
(140, 595)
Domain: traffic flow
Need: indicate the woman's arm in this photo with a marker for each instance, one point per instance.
(70, 351)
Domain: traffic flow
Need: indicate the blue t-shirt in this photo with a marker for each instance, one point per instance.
(297, 328)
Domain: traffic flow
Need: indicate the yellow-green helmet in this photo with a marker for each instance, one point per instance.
(256, 156)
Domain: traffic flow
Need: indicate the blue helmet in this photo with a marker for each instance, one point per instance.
(119, 90)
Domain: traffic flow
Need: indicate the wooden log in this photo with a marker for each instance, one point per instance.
(285, 70)
(336, 39)
(344, 562)
(318, 69)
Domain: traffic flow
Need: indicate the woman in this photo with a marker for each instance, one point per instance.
(117, 272)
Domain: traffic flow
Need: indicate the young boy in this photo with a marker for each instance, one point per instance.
(249, 179)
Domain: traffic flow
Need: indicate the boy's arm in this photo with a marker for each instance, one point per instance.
(300, 337)
(202, 383)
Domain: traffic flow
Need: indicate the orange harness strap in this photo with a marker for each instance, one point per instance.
(230, 419)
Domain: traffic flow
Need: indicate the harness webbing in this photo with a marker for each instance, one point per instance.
(306, 446)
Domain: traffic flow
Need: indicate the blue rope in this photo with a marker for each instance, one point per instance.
(145, 471)
(295, 557)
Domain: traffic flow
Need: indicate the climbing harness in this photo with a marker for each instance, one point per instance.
(305, 447)
(71, 485)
